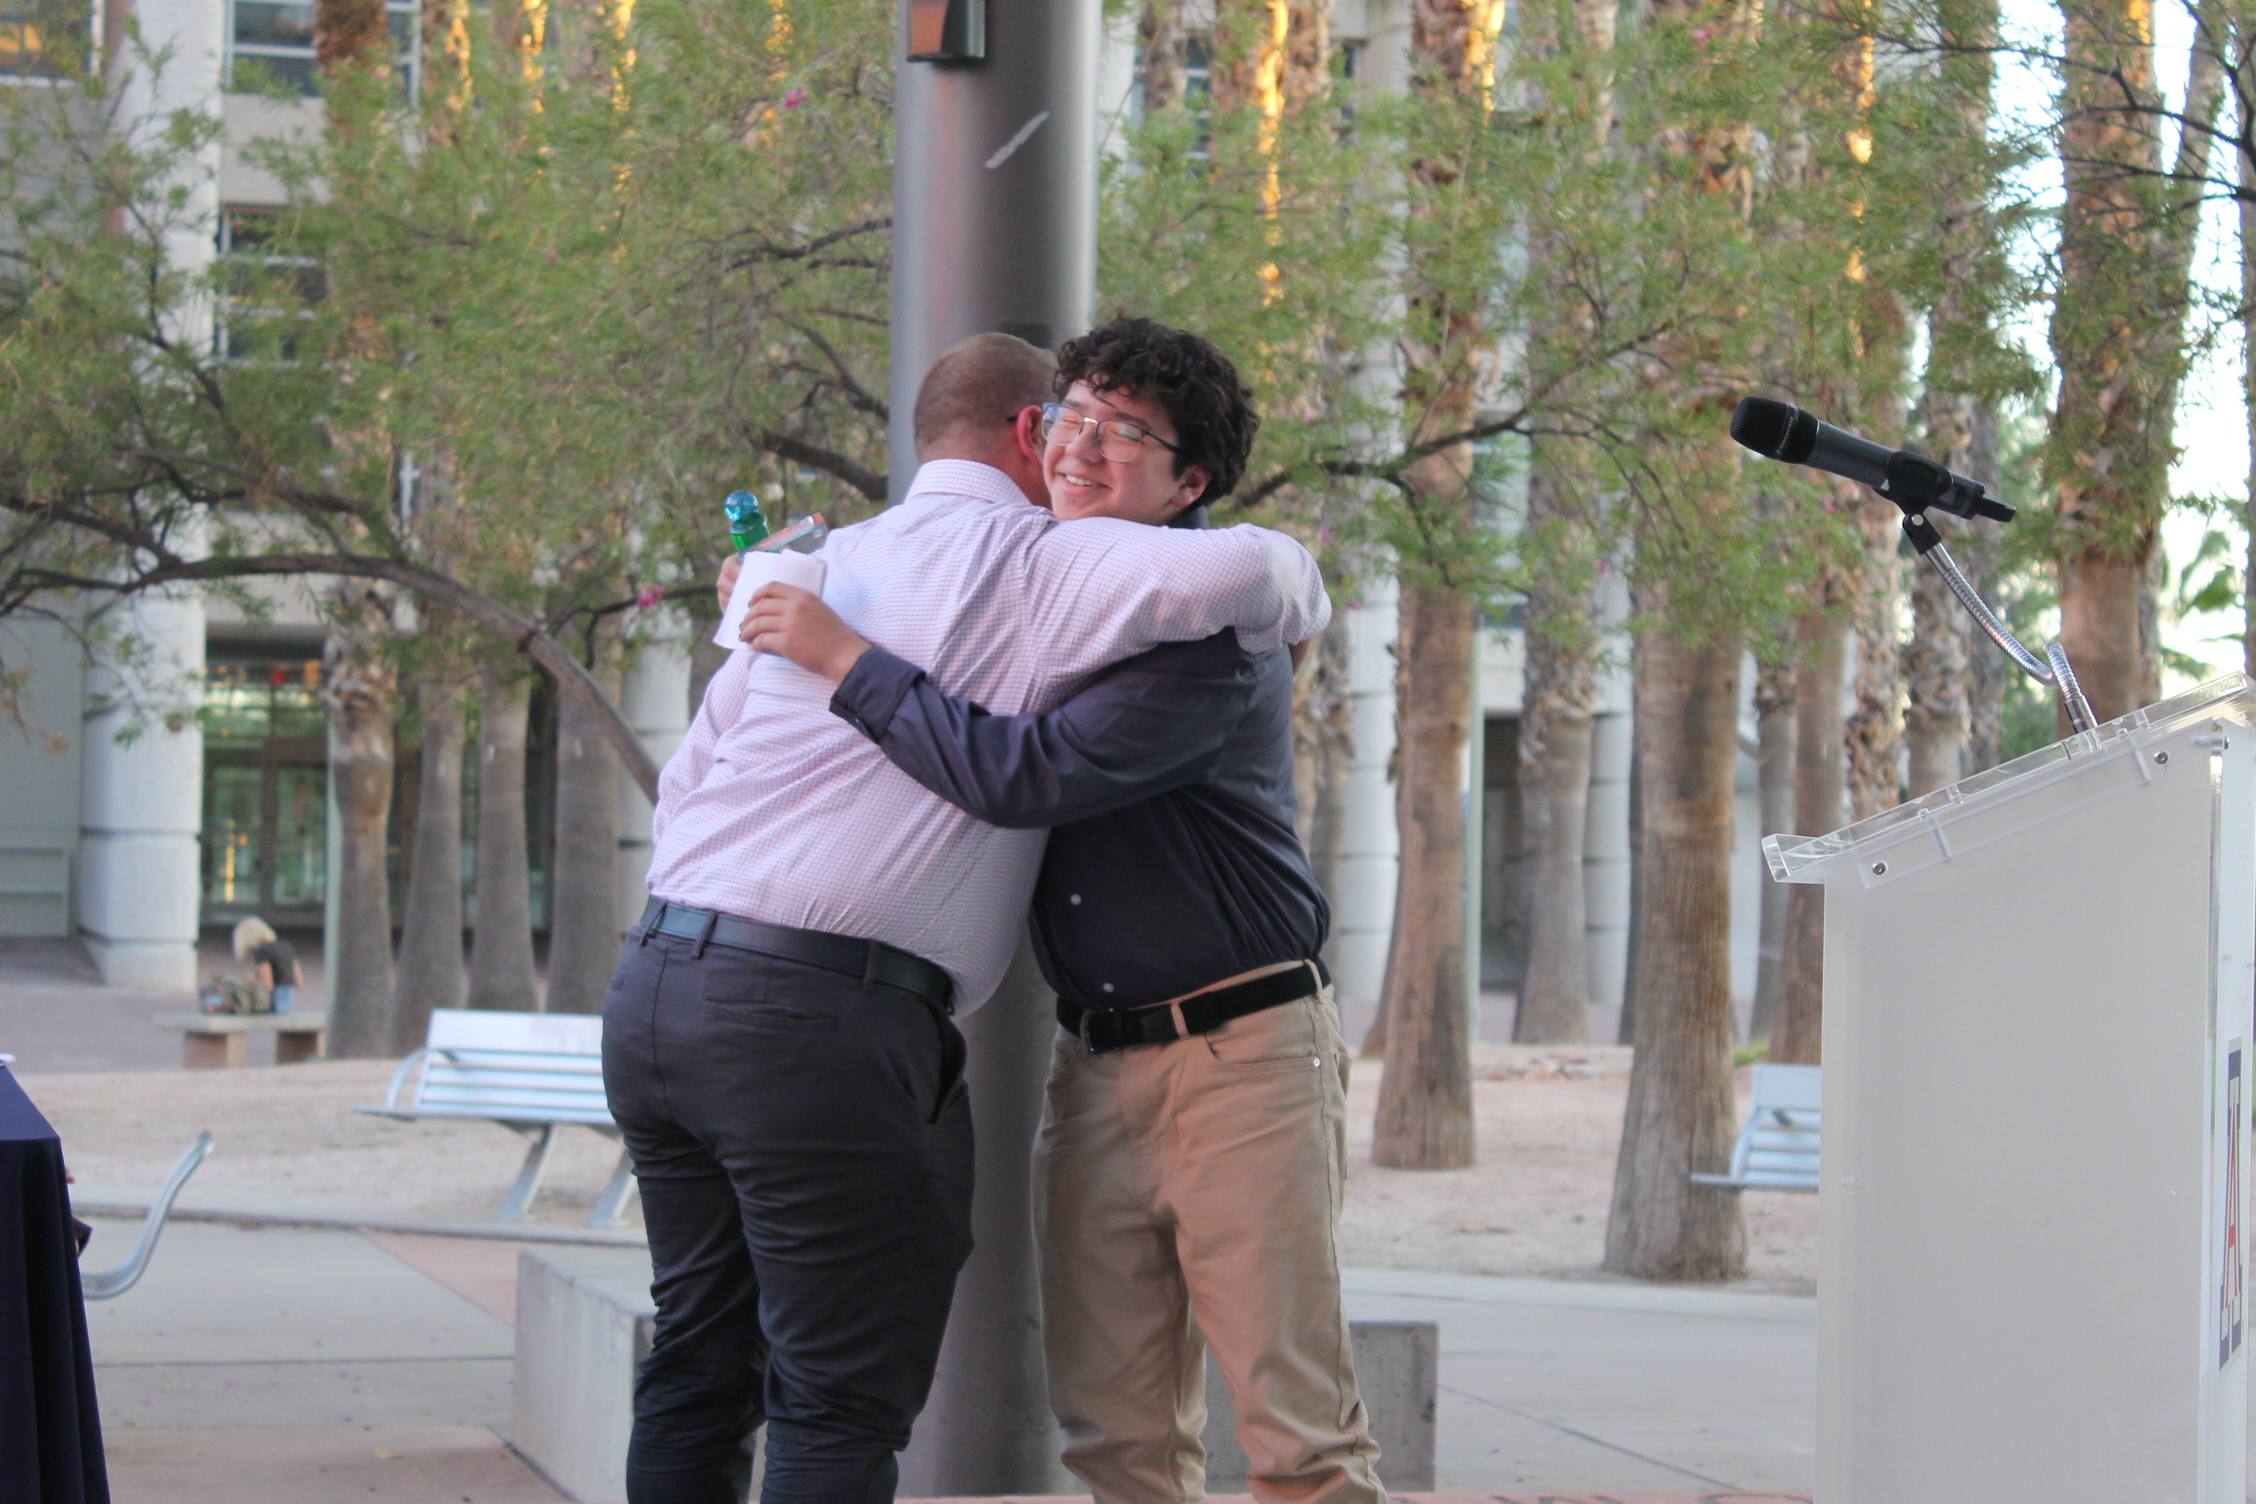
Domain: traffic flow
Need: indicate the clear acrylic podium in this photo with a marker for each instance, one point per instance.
(2040, 996)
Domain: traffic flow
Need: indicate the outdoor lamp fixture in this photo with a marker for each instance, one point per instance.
(947, 31)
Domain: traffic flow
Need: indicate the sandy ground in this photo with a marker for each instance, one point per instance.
(291, 1131)
(1535, 1204)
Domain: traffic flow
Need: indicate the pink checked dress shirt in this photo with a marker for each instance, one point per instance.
(775, 809)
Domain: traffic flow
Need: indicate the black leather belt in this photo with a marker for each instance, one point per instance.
(1107, 1029)
(873, 961)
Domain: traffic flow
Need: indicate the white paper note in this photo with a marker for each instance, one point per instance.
(803, 570)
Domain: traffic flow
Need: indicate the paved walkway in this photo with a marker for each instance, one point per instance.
(290, 1365)
(297, 1366)
(1548, 1384)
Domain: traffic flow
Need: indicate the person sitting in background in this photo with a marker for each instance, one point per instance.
(273, 961)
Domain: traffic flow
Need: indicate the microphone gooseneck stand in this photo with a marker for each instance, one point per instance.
(2052, 669)
(1916, 484)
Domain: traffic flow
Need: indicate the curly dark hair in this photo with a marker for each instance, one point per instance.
(1193, 382)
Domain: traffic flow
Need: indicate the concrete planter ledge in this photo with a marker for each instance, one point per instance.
(584, 1321)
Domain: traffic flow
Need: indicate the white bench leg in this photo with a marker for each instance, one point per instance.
(611, 1206)
(520, 1198)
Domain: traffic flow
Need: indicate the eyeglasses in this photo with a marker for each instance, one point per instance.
(1117, 438)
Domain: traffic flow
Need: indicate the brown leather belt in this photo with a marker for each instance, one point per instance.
(871, 960)
(1107, 1029)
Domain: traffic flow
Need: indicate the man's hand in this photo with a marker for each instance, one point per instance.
(796, 624)
(729, 572)
(1299, 650)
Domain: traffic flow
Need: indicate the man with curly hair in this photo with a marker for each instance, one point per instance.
(1188, 1172)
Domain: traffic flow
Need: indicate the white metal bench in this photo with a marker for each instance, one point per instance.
(109, 1284)
(1777, 1150)
(526, 1071)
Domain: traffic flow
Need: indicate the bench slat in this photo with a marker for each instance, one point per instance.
(501, 1114)
(553, 1080)
(553, 1101)
(535, 1058)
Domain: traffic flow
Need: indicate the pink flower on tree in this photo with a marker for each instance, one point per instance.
(650, 595)
(794, 99)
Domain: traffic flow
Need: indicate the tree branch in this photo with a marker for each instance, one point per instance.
(528, 636)
(783, 446)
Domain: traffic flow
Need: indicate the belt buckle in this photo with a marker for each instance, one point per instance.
(1086, 1043)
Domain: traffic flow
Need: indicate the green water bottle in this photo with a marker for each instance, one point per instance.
(746, 525)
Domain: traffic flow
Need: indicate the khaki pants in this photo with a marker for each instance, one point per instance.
(1187, 1195)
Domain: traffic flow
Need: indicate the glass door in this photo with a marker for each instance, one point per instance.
(266, 791)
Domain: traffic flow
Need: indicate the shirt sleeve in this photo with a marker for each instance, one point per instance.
(1102, 589)
(693, 759)
(1153, 723)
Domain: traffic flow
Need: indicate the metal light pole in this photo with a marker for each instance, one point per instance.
(994, 190)
(994, 228)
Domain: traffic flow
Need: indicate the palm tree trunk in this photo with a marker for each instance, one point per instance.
(1425, 1116)
(1555, 750)
(1935, 713)
(583, 911)
(1159, 37)
(430, 971)
(1819, 776)
(1987, 668)
(501, 957)
(1937, 678)
(1774, 772)
(1679, 1117)
(1323, 746)
(1308, 50)
(2110, 441)
(361, 702)
(1874, 728)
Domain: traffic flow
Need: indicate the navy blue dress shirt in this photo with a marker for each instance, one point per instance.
(1168, 781)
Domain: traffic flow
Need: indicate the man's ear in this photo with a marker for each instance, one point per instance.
(1027, 429)
(1190, 488)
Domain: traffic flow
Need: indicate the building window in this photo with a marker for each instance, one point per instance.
(265, 296)
(44, 38)
(271, 41)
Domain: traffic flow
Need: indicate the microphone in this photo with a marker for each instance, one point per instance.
(1780, 431)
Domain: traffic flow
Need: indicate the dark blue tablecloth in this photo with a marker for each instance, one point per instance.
(50, 1432)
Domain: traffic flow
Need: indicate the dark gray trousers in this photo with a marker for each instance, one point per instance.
(804, 1151)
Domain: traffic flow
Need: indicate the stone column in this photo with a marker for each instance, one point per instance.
(655, 697)
(191, 38)
(141, 799)
(1606, 834)
(1605, 863)
(1363, 918)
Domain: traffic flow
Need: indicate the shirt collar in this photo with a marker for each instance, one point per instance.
(936, 478)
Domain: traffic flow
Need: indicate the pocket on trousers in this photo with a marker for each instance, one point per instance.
(1279, 1038)
(743, 988)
